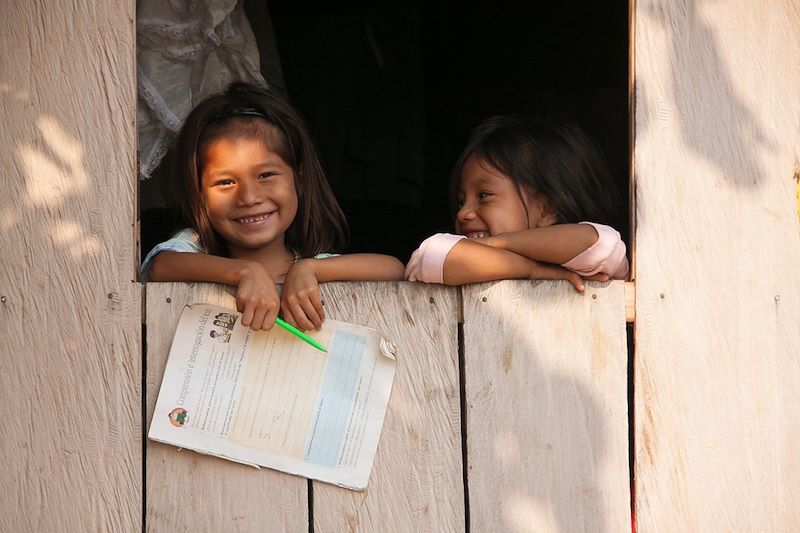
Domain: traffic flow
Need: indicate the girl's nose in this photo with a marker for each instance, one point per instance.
(249, 193)
(465, 212)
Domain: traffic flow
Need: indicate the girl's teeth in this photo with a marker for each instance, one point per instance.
(251, 220)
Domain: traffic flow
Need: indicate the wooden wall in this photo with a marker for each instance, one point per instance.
(70, 334)
(717, 125)
(546, 407)
(544, 389)
(718, 292)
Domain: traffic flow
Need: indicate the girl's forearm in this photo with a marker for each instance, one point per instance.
(187, 266)
(553, 244)
(473, 262)
(357, 267)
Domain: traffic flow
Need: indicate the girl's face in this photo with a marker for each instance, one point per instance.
(249, 193)
(489, 203)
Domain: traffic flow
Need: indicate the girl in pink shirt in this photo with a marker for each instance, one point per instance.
(524, 193)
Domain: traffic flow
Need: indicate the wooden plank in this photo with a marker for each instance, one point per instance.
(546, 389)
(717, 290)
(416, 482)
(70, 334)
(630, 301)
(188, 491)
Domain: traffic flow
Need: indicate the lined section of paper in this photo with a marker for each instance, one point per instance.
(337, 393)
(278, 394)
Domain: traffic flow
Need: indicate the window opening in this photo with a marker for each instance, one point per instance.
(391, 93)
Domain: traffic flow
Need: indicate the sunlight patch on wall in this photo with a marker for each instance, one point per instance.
(507, 449)
(524, 514)
(55, 179)
(57, 173)
(74, 237)
(18, 94)
(7, 218)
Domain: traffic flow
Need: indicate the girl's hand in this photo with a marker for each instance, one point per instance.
(550, 271)
(256, 296)
(301, 301)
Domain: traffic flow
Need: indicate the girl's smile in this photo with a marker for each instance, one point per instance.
(255, 220)
(249, 194)
(489, 203)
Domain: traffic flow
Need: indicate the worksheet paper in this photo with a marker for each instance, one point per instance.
(267, 398)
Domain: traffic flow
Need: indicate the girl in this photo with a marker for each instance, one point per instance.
(522, 192)
(246, 175)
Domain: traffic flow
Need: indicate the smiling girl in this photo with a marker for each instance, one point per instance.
(524, 192)
(248, 179)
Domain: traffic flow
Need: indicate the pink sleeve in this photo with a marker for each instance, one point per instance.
(427, 261)
(606, 256)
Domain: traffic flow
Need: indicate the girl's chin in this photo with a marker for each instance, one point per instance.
(253, 242)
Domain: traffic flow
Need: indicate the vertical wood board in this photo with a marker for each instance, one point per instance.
(718, 295)
(70, 326)
(546, 391)
(416, 482)
(188, 491)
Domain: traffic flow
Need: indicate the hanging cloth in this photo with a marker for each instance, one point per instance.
(187, 50)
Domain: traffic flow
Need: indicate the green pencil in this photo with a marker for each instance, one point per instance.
(296, 332)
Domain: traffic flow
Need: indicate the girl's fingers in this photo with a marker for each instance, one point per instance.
(572, 277)
(317, 302)
(577, 281)
(258, 318)
(265, 323)
(557, 272)
(303, 322)
(312, 313)
(293, 314)
(247, 313)
(269, 318)
(289, 317)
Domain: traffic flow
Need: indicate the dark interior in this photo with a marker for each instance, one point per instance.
(391, 91)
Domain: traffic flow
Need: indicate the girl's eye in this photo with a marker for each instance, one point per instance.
(223, 182)
(265, 175)
(484, 195)
(460, 203)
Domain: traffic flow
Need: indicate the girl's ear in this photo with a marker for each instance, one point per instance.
(541, 211)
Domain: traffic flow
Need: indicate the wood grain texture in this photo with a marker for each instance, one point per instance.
(416, 482)
(717, 288)
(70, 333)
(546, 389)
(188, 491)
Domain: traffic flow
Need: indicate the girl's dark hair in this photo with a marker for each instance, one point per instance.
(250, 112)
(557, 161)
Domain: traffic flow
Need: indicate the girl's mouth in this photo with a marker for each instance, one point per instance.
(254, 220)
(476, 234)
